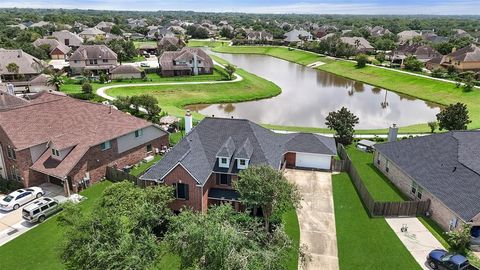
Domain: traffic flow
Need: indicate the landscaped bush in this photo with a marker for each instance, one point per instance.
(87, 88)
(362, 60)
(7, 186)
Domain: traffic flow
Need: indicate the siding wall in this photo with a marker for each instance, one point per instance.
(129, 141)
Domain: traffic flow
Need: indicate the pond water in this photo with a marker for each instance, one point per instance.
(308, 95)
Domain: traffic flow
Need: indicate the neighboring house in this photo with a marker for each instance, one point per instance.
(423, 53)
(433, 38)
(68, 38)
(297, 36)
(70, 142)
(360, 44)
(379, 31)
(57, 50)
(79, 26)
(133, 23)
(460, 33)
(126, 72)
(204, 164)
(188, 61)
(434, 63)
(177, 29)
(36, 85)
(259, 35)
(170, 44)
(95, 58)
(159, 33)
(92, 33)
(9, 101)
(324, 30)
(133, 36)
(406, 36)
(464, 59)
(147, 49)
(441, 167)
(40, 24)
(29, 67)
(105, 26)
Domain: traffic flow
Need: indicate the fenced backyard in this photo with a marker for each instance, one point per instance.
(116, 175)
(380, 208)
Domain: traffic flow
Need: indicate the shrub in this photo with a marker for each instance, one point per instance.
(438, 73)
(433, 126)
(362, 60)
(87, 88)
(411, 63)
(380, 57)
(459, 240)
(7, 186)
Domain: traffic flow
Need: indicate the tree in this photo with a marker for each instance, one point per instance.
(362, 60)
(116, 30)
(343, 122)
(226, 32)
(150, 104)
(380, 57)
(438, 73)
(230, 69)
(411, 63)
(454, 117)
(433, 126)
(13, 68)
(262, 186)
(459, 240)
(56, 80)
(468, 80)
(87, 88)
(119, 233)
(122, 103)
(225, 239)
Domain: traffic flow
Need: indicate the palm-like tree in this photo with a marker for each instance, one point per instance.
(56, 80)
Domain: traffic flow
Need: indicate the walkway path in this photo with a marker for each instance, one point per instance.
(418, 239)
(102, 90)
(316, 218)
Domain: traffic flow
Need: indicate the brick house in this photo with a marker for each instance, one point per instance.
(441, 167)
(170, 44)
(57, 50)
(205, 163)
(464, 59)
(54, 138)
(188, 61)
(95, 58)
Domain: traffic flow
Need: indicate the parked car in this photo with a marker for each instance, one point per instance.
(20, 197)
(443, 260)
(40, 210)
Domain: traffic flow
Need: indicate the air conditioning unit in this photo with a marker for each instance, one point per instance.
(148, 159)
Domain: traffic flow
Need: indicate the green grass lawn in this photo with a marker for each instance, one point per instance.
(292, 229)
(138, 170)
(140, 43)
(364, 242)
(207, 43)
(38, 248)
(173, 98)
(377, 184)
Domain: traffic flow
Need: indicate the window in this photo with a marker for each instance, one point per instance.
(105, 61)
(52, 204)
(106, 145)
(181, 191)
(138, 133)
(11, 152)
(149, 148)
(386, 166)
(243, 162)
(43, 208)
(36, 211)
(67, 42)
(419, 193)
(224, 179)
(223, 160)
(55, 152)
(75, 61)
(416, 190)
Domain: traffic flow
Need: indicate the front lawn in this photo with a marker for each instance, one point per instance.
(292, 229)
(39, 247)
(364, 242)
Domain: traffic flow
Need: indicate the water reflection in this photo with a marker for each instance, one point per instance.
(309, 95)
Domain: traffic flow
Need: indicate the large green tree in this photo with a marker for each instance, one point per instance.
(56, 80)
(262, 186)
(343, 122)
(119, 233)
(454, 117)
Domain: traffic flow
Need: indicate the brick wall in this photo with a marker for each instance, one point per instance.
(195, 193)
(439, 212)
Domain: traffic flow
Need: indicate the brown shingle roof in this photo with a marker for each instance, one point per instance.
(125, 69)
(74, 39)
(8, 101)
(52, 44)
(85, 52)
(27, 64)
(467, 54)
(167, 58)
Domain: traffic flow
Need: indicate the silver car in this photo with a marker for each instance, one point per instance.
(40, 210)
(20, 197)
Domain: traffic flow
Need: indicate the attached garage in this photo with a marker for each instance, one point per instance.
(314, 161)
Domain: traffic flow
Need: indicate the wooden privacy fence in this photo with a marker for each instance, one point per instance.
(116, 175)
(380, 209)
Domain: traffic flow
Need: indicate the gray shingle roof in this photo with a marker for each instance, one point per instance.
(447, 165)
(227, 148)
(197, 151)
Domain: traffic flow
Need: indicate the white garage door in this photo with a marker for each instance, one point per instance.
(316, 161)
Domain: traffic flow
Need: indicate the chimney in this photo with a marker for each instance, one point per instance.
(392, 133)
(195, 64)
(188, 122)
(454, 49)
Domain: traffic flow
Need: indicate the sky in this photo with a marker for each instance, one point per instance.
(395, 7)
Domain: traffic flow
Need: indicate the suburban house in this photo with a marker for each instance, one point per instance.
(379, 31)
(423, 53)
(92, 33)
(203, 165)
(57, 50)
(126, 72)
(170, 44)
(68, 38)
(360, 44)
(70, 142)
(464, 59)
(159, 33)
(259, 35)
(406, 36)
(147, 49)
(442, 167)
(94, 58)
(105, 26)
(133, 23)
(297, 35)
(188, 61)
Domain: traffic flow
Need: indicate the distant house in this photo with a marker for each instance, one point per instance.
(28, 66)
(324, 30)
(147, 49)
(170, 44)
(406, 36)
(177, 29)
(40, 24)
(423, 53)
(379, 31)
(259, 35)
(159, 33)
(68, 38)
(57, 50)
(441, 167)
(188, 61)
(92, 33)
(134, 23)
(360, 44)
(105, 26)
(53, 138)
(433, 38)
(464, 59)
(203, 167)
(126, 72)
(297, 36)
(95, 58)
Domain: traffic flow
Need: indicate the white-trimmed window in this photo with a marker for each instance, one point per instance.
(11, 152)
(180, 191)
(416, 190)
(55, 152)
(16, 173)
(106, 145)
(138, 133)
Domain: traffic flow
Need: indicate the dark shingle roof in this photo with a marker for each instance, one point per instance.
(197, 151)
(447, 165)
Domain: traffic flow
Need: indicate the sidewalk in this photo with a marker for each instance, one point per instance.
(418, 239)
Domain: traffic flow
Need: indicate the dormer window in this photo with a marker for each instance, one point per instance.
(223, 161)
(242, 163)
(106, 145)
(55, 152)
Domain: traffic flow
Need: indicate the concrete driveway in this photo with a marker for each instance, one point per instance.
(316, 218)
